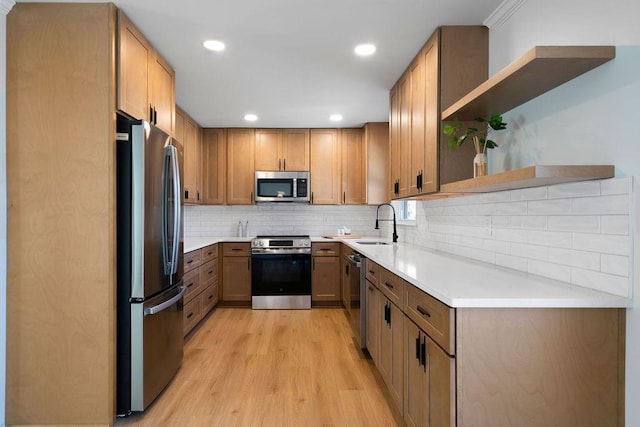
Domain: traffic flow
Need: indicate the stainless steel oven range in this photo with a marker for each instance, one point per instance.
(281, 272)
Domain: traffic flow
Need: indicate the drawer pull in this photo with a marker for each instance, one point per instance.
(209, 253)
(190, 285)
(210, 297)
(423, 311)
(372, 272)
(210, 272)
(371, 288)
(326, 249)
(236, 249)
(190, 261)
(388, 285)
(189, 315)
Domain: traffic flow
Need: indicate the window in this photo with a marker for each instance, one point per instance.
(405, 211)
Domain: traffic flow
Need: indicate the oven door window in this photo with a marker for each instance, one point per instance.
(280, 274)
(274, 187)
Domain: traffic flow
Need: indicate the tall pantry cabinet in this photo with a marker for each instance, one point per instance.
(62, 96)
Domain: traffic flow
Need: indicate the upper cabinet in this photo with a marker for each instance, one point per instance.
(376, 153)
(282, 150)
(240, 166)
(192, 142)
(452, 61)
(325, 166)
(353, 167)
(214, 166)
(146, 82)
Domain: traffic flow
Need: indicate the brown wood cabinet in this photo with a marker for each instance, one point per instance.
(60, 306)
(201, 282)
(376, 146)
(236, 272)
(453, 61)
(282, 150)
(325, 273)
(214, 166)
(189, 134)
(372, 301)
(240, 166)
(325, 166)
(391, 356)
(146, 82)
(353, 167)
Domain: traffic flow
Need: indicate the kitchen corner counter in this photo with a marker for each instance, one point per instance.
(461, 282)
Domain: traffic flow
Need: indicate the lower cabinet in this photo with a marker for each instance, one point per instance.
(236, 272)
(391, 356)
(201, 282)
(325, 273)
(372, 301)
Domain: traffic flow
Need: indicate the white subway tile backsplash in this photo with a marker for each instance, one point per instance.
(604, 205)
(554, 239)
(512, 235)
(614, 186)
(573, 258)
(574, 189)
(613, 284)
(608, 244)
(549, 207)
(535, 193)
(615, 264)
(527, 222)
(615, 224)
(525, 250)
(550, 270)
(514, 262)
(586, 224)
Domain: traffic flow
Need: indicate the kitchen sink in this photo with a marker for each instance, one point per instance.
(368, 242)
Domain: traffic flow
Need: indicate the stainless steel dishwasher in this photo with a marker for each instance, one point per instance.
(356, 307)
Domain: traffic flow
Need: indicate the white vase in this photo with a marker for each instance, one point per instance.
(480, 165)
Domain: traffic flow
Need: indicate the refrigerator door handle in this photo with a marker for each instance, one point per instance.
(165, 212)
(177, 212)
(160, 307)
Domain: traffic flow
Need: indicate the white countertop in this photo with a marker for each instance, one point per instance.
(461, 282)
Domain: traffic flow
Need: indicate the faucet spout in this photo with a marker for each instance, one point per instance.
(377, 227)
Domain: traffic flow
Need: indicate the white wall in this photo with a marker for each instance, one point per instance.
(592, 119)
(5, 7)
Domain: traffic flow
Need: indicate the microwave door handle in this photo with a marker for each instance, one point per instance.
(177, 212)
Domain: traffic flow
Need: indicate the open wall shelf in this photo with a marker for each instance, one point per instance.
(539, 70)
(532, 176)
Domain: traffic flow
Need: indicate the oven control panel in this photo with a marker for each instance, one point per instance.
(281, 242)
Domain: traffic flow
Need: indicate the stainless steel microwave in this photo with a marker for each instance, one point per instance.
(282, 187)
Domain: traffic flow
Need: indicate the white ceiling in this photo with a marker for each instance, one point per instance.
(291, 62)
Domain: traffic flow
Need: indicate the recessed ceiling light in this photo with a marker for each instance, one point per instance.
(365, 49)
(250, 117)
(214, 45)
(335, 117)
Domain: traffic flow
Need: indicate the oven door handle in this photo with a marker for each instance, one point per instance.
(265, 251)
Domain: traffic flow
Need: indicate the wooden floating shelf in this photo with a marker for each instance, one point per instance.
(532, 176)
(538, 71)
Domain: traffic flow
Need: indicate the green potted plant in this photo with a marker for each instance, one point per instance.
(479, 135)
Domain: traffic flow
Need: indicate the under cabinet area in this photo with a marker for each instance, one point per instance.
(201, 283)
(494, 366)
(325, 273)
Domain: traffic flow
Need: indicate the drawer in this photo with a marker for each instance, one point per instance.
(346, 251)
(192, 260)
(373, 272)
(325, 249)
(209, 252)
(208, 273)
(191, 315)
(392, 286)
(209, 298)
(432, 316)
(191, 282)
(236, 249)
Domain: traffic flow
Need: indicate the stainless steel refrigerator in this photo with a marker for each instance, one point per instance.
(150, 263)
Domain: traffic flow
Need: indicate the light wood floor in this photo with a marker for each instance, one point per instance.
(247, 367)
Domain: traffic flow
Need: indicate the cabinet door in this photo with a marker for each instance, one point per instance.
(405, 136)
(345, 281)
(240, 166)
(295, 149)
(432, 119)
(373, 322)
(134, 56)
(192, 175)
(325, 167)
(416, 396)
(353, 167)
(376, 143)
(214, 166)
(236, 278)
(162, 93)
(442, 400)
(268, 150)
(416, 132)
(392, 349)
(325, 279)
(394, 142)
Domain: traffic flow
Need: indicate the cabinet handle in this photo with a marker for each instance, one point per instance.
(284, 164)
(198, 196)
(186, 194)
(210, 297)
(190, 285)
(190, 315)
(344, 197)
(388, 285)
(210, 253)
(423, 348)
(389, 310)
(151, 113)
(190, 261)
(371, 288)
(236, 249)
(248, 263)
(251, 198)
(210, 272)
(155, 116)
(372, 272)
(346, 269)
(418, 354)
(423, 311)
(312, 197)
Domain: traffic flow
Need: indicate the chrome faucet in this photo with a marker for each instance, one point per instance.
(395, 232)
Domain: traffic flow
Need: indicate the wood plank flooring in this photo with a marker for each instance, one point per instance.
(246, 367)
